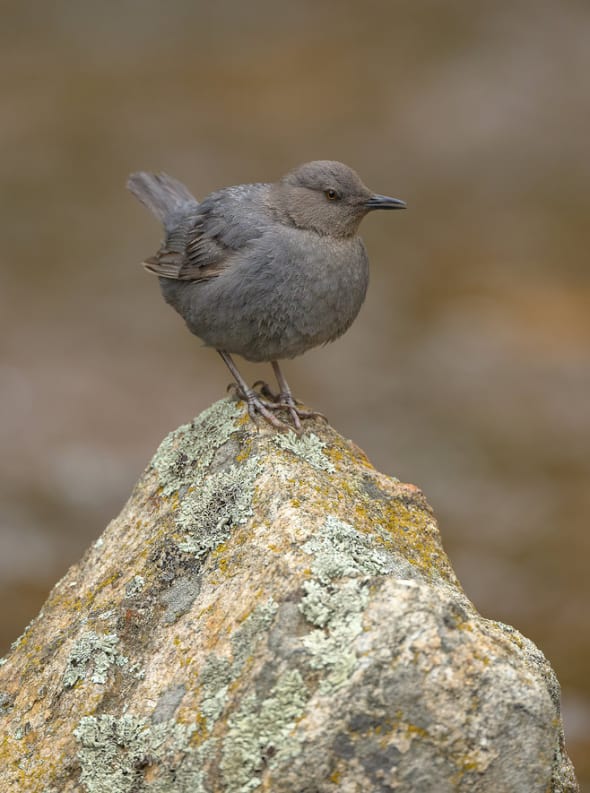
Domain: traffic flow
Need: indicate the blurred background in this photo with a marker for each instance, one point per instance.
(466, 373)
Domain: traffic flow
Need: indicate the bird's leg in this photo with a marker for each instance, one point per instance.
(254, 402)
(287, 400)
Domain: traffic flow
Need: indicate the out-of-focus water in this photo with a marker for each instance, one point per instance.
(467, 371)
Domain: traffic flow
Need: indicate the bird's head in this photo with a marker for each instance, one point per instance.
(327, 197)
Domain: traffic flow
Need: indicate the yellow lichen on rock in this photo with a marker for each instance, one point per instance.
(269, 612)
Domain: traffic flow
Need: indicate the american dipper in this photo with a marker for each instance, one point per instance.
(266, 271)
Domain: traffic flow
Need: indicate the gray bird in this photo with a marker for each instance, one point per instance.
(266, 271)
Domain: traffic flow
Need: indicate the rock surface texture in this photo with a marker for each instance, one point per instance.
(270, 613)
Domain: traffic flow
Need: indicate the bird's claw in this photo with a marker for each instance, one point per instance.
(265, 390)
(288, 402)
(265, 407)
(258, 407)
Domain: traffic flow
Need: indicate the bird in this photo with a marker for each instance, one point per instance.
(266, 270)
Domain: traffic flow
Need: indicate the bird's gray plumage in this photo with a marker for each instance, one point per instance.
(266, 271)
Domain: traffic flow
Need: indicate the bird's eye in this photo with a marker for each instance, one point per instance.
(331, 195)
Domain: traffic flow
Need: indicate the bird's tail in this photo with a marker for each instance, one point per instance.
(161, 194)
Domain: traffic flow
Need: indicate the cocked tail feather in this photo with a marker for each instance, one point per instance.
(164, 196)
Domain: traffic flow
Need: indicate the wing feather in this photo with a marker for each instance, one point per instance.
(203, 240)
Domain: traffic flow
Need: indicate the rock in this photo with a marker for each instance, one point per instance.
(271, 613)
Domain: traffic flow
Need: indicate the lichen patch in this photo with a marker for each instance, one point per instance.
(259, 725)
(91, 658)
(307, 447)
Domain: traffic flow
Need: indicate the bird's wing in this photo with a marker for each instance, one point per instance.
(199, 245)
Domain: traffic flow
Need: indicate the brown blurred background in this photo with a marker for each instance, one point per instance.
(467, 371)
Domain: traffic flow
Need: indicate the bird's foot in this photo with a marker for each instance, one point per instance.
(257, 405)
(286, 401)
(289, 402)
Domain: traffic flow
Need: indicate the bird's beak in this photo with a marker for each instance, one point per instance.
(384, 202)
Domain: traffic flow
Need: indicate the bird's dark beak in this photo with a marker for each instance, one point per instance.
(384, 202)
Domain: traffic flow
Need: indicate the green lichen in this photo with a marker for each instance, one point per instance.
(115, 752)
(92, 656)
(214, 494)
(189, 777)
(337, 611)
(259, 726)
(322, 605)
(340, 550)
(246, 636)
(21, 731)
(6, 703)
(308, 447)
(335, 598)
(215, 678)
(218, 503)
(192, 446)
(105, 616)
(218, 672)
(135, 586)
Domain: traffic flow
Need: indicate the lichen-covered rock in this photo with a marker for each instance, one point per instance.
(269, 613)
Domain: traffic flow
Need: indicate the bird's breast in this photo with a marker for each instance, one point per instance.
(332, 278)
(279, 296)
(309, 289)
